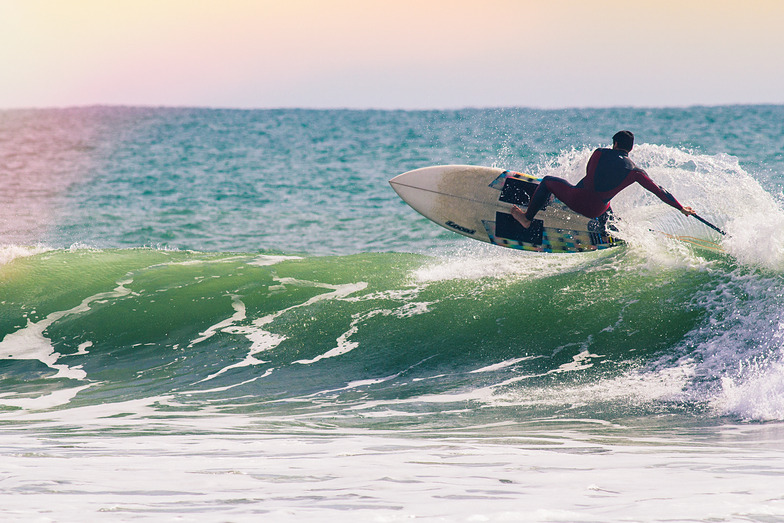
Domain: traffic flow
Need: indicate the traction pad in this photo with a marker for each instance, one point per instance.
(507, 227)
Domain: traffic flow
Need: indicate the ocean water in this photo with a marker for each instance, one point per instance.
(219, 315)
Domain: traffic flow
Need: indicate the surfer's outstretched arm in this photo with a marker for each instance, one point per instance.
(642, 178)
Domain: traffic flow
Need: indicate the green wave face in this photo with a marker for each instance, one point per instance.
(371, 332)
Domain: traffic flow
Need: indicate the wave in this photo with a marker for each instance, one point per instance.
(602, 334)
(659, 324)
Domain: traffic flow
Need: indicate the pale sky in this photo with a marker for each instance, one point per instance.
(397, 54)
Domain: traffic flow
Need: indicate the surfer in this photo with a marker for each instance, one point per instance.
(609, 171)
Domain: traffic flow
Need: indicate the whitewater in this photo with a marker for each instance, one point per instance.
(218, 315)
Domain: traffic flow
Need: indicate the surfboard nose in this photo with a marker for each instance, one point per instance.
(416, 187)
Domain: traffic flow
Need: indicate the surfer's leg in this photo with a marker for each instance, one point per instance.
(519, 215)
(548, 186)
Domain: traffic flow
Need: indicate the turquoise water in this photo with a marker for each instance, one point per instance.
(215, 314)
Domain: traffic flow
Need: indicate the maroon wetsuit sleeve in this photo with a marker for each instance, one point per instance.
(642, 178)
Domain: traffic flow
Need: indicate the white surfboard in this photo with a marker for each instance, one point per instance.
(476, 202)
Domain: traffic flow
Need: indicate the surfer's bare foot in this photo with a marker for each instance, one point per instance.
(519, 215)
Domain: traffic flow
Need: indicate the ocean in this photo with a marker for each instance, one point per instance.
(229, 315)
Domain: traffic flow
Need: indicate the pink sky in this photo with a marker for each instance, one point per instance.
(390, 54)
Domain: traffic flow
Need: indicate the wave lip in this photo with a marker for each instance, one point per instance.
(10, 252)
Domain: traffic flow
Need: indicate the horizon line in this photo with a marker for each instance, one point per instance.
(387, 109)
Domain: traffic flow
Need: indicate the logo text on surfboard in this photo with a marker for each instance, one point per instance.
(460, 228)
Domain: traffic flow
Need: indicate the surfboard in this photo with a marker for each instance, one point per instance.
(476, 202)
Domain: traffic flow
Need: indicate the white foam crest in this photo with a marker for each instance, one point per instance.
(475, 261)
(9, 253)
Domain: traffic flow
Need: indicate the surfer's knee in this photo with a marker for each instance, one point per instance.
(548, 181)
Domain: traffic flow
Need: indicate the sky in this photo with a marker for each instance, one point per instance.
(396, 54)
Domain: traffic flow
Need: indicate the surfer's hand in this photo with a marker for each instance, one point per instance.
(688, 211)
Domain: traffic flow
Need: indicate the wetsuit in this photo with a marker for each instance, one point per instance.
(609, 171)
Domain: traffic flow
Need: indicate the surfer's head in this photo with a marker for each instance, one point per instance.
(623, 140)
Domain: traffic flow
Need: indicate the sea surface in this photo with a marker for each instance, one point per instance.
(229, 315)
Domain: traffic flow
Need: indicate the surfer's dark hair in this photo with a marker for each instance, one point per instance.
(624, 139)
